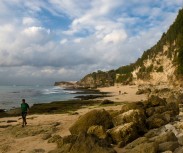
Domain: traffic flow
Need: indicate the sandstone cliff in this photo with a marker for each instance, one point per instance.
(162, 64)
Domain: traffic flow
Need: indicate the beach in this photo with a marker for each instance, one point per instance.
(14, 137)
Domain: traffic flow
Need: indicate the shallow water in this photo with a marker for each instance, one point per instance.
(10, 96)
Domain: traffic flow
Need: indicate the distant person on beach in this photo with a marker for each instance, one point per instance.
(24, 109)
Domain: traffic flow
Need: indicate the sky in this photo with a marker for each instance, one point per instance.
(43, 41)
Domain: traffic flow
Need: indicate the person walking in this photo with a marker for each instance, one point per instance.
(24, 109)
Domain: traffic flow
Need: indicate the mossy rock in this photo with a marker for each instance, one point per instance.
(144, 148)
(123, 134)
(98, 131)
(129, 106)
(136, 116)
(94, 117)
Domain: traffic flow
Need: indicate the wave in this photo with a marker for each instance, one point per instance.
(54, 90)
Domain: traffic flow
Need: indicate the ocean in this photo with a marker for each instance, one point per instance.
(11, 96)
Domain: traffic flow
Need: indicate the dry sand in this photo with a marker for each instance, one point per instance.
(128, 93)
(11, 144)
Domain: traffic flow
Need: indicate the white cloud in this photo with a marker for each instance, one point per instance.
(33, 31)
(115, 37)
(103, 34)
(28, 21)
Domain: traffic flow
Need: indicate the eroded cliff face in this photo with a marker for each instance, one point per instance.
(157, 70)
(98, 79)
(161, 64)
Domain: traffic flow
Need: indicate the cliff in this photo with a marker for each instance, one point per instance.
(161, 64)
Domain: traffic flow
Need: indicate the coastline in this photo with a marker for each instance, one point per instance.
(56, 118)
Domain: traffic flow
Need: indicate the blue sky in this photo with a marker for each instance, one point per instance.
(42, 41)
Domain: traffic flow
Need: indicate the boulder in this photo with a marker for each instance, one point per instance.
(91, 144)
(128, 107)
(98, 131)
(158, 120)
(136, 142)
(156, 101)
(168, 146)
(123, 134)
(136, 116)
(94, 117)
(144, 148)
(152, 133)
(165, 137)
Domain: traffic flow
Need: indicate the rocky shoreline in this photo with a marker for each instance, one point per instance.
(140, 127)
(154, 125)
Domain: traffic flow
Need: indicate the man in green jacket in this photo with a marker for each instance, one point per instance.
(25, 109)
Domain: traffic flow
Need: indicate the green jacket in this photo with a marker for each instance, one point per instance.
(24, 107)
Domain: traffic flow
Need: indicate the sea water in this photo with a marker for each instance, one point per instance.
(11, 96)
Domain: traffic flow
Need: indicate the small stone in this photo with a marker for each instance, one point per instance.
(46, 136)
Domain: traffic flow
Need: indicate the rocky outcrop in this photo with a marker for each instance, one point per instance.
(139, 127)
(98, 79)
(85, 143)
(94, 117)
(64, 84)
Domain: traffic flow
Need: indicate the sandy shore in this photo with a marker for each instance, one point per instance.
(128, 93)
(15, 139)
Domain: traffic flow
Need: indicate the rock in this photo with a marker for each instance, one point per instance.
(156, 101)
(4, 126)
(136, 142)
(64, 149)
(90, 144)
(98, 131)
(56, 124)
(10, 121)
(173, 107)
(38, 151)
(152, 133)
(168, 146)
(178, 150)
(70, 139)
(94, 117)
(168, 136)
(128, 107)
(46, 136)
(123, 134)
(180, 140)
(139, 92)
(136, 116)
(55, 138)
(106, 101)
(170, 127)
(150, 111)
(158, 120)
(180, 98)
(160, 109)
(114, 113)
(73, 113)
(167, 152)
(145, 148)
